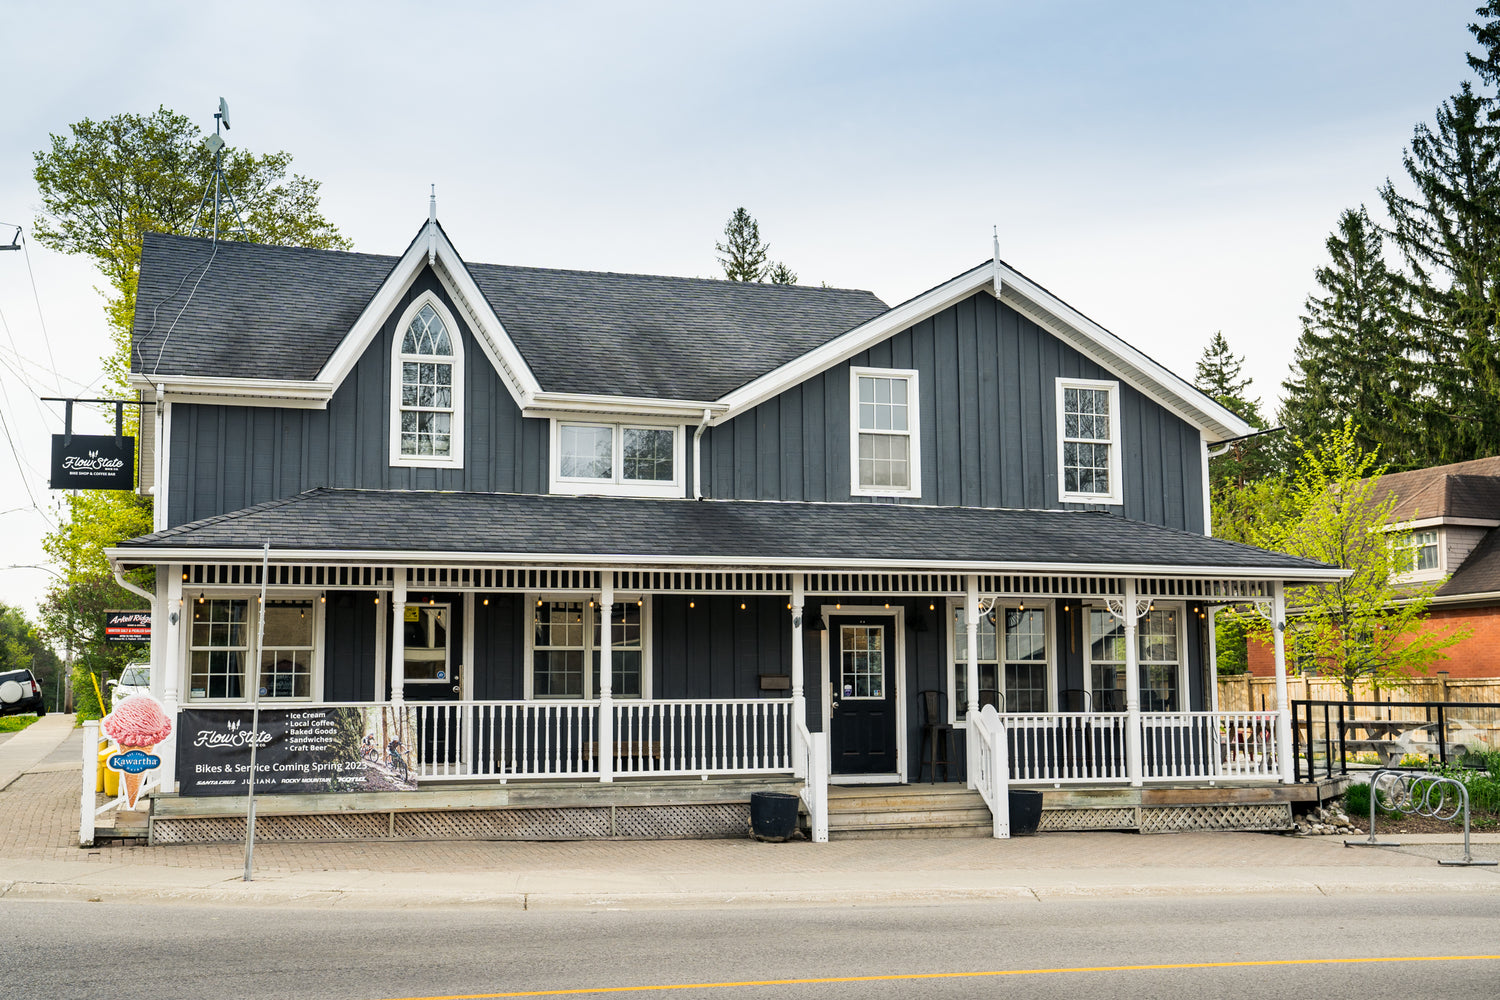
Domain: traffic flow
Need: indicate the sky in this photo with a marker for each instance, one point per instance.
(1169, 169)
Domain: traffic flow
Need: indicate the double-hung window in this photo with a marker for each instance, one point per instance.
(884, 444)
(566, 649)
(1159, 660)
(1012, 658)
(1416, 552)
(222, 646)
(427, 386)
(1088, 441)
(617, 458)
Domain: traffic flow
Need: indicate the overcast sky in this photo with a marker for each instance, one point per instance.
(1170, 169)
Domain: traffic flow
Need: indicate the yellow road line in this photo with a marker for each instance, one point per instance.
(961, 975)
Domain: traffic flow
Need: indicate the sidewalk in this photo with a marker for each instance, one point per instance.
(39, 859)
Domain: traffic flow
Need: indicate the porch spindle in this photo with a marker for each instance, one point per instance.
(606, 678)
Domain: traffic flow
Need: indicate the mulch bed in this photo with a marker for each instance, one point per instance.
(1423, 824)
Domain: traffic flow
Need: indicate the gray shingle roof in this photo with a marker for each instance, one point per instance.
(279, 312)
(734, 531)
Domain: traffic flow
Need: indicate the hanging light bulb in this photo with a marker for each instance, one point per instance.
(692, 604)
(486, 602)
(200, 597)
(323, 599)
(742, 605)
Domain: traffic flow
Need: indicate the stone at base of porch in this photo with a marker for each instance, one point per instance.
(639, 809)
(1174, 808)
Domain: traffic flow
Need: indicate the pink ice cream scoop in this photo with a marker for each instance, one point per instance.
(138, 721)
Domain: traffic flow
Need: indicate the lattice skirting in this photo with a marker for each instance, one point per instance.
(1110, 818)
(678, 822)
(1234, 816)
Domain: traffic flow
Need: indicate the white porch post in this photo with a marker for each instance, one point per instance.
(799, 698)
(1212, 676)
(1283, 709)
(1132, 686)
(169, 664)
(606, 678)
(398, 646)
(971, 673)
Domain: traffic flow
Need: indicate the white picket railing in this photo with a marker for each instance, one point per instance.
(810, 763)
(547, 739)
(1062, 747)
(1217, 745)
(987, 760)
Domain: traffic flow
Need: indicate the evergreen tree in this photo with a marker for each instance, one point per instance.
(1220, 375)
(1448, 232)
(1487, 34)
(1350, 362)
(744, 256)
(780, 274)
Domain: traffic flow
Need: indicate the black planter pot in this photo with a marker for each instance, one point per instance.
(1025, 812)
(773, 815)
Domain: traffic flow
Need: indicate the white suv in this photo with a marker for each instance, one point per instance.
(135, 679)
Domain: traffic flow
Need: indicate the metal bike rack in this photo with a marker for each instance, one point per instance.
(1420, 794)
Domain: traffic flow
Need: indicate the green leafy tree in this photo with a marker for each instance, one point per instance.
(1448, 231)
(105, 184)
(743, 255)
(1350, 362)
(1366, 625)
(22, 646)
(1220, 374)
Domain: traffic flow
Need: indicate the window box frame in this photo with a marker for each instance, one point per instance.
(253, 649)
(590, 649)
(1184, 654)
(455, 457)
(913, 432)
(956, 712)
(1116, 445)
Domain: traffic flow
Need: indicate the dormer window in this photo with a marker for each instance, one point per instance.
(620, 459)
(427, 386)
(1415, 554)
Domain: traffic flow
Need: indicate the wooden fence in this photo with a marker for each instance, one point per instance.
(1247, 693)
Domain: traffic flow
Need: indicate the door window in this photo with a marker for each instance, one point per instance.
(426, 641)
(862, 661)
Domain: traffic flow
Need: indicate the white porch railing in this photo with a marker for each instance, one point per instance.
(810, 763)
(987, 757)
(505, 739)
(1067, 746)
(1090, 747)
(1214, 745)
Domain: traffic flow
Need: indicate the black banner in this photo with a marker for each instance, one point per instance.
(298, 750)
(127, 626)
(93, 462)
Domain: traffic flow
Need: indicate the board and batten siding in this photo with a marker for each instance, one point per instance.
(988, 423)
(225, 458)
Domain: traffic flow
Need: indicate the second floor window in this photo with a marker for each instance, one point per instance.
(622, 459)
(1088, 440)
(884, 443)
(427, 377)
(1416, 552)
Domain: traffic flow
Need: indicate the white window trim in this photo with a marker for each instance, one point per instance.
(590, 611)
(957, 712)
(1422, 575)
(913, 430)
(618, 486)
(455, 458)
(1183, 654)
(1116, 493)
(253, 651)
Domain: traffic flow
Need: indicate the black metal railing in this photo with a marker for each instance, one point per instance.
(1326, 733)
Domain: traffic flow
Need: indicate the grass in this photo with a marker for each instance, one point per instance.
(15, 723)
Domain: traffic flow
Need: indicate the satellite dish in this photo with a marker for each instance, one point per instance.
(224, 112)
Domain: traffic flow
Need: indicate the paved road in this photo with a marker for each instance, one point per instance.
(87, 950)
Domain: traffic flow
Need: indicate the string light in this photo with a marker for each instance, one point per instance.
(323, 599)
(742, 605)
(692, 604)
(486, 602)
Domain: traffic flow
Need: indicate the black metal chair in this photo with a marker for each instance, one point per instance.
(993, 698)
(935, 743)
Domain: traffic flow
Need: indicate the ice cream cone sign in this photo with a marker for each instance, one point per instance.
(137, 724)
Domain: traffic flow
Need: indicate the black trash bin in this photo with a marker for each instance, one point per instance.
(1025, 811)
(773, 815)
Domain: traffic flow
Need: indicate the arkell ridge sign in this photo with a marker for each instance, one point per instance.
(127, 626)
(93, 462)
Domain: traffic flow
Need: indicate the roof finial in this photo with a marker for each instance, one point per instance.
(432, 227)
(996, 264)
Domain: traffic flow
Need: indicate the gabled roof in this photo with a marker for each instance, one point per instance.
(282, 312)
(395, 524)
(1469, 490)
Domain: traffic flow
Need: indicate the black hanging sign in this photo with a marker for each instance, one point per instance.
(127, 626)
(93, 462)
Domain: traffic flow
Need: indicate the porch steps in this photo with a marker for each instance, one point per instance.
(885, 811)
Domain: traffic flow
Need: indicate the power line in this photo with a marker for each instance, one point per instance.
(46, 339)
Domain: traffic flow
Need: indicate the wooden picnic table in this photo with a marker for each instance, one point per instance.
(1386, 728)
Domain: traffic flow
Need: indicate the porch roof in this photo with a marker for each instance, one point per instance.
(398, 526)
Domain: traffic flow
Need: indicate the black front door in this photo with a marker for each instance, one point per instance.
(431, 631)
(862, 725)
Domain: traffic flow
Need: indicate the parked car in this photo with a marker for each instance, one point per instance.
(135, 679)
(20, 693)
